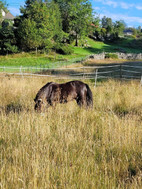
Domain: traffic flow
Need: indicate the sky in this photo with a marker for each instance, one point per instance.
(128, 10)
(14, 6)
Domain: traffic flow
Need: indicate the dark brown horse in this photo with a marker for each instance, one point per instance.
(53, 93)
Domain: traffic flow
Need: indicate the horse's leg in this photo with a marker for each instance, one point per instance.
(81, 101)
(78, 101)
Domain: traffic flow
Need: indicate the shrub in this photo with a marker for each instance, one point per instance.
(49, 46)
(66, 50)
(13, 107)
(112, 56)
(11, 48)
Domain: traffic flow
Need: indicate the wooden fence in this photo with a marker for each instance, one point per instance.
(117, 71)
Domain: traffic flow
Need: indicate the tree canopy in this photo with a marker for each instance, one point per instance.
(56, 24)
(76, 17)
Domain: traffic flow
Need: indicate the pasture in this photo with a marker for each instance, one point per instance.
(70, 147)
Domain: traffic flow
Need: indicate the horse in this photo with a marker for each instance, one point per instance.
(53, 93)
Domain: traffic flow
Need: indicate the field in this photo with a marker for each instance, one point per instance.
(68, 147)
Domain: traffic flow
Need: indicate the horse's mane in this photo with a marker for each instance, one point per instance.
(42, 91)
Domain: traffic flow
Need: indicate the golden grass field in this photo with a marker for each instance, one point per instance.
(69, 147)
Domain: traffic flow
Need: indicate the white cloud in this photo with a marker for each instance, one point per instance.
(111, 3)
(138, 7)
(121, 4)
(126, 5)
(97, 8)
(129, 20)
(108, 2)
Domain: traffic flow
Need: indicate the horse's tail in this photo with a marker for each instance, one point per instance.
(89, 97)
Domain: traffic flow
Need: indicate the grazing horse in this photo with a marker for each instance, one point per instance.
(53, 93)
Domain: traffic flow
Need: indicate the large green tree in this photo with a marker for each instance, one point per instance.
(28, 34)
(64, 6)
(80, 19)
(38, 24)
(76, 17)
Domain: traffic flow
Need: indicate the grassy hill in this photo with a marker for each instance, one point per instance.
(31, 59)
(127, 45)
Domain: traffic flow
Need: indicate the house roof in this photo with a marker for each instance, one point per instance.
(128, 31)
(9, 16)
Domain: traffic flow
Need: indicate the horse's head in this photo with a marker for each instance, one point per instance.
(38, 104)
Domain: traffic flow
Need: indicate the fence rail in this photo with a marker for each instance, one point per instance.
(117, 71)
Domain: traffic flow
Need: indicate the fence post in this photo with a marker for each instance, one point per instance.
(21, 71)
(141, 81)
(83, 73)
(120, 71)
(96, 76)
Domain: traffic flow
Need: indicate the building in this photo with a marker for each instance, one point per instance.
(128, 32)
(7, 16)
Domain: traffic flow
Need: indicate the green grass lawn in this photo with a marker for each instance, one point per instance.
(98, 47)
(51, 60)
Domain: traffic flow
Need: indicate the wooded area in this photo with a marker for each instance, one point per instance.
(56, 25)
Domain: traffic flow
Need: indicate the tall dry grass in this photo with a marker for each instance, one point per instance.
(68, 147)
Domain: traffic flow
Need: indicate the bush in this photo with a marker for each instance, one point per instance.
(131, 36)
(12, 48)
(63, 49)
(66, 50)
(48, 47)
(112, 56)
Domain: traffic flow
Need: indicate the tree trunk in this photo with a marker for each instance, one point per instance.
(36, 51)
(76, 42)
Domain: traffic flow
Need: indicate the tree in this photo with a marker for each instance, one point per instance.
(119, 27)
(76, 17)
(7, 38)
(95, 31)
(108, 25)
(139, 29)
(28, 34)
(56, 22)
(39, 26)
(80, 19)
(64, 6)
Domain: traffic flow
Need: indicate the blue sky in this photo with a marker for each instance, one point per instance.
(128, 10)
(14, 6)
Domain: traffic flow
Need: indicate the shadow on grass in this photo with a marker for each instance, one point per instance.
(13, 108)
(121, 45)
